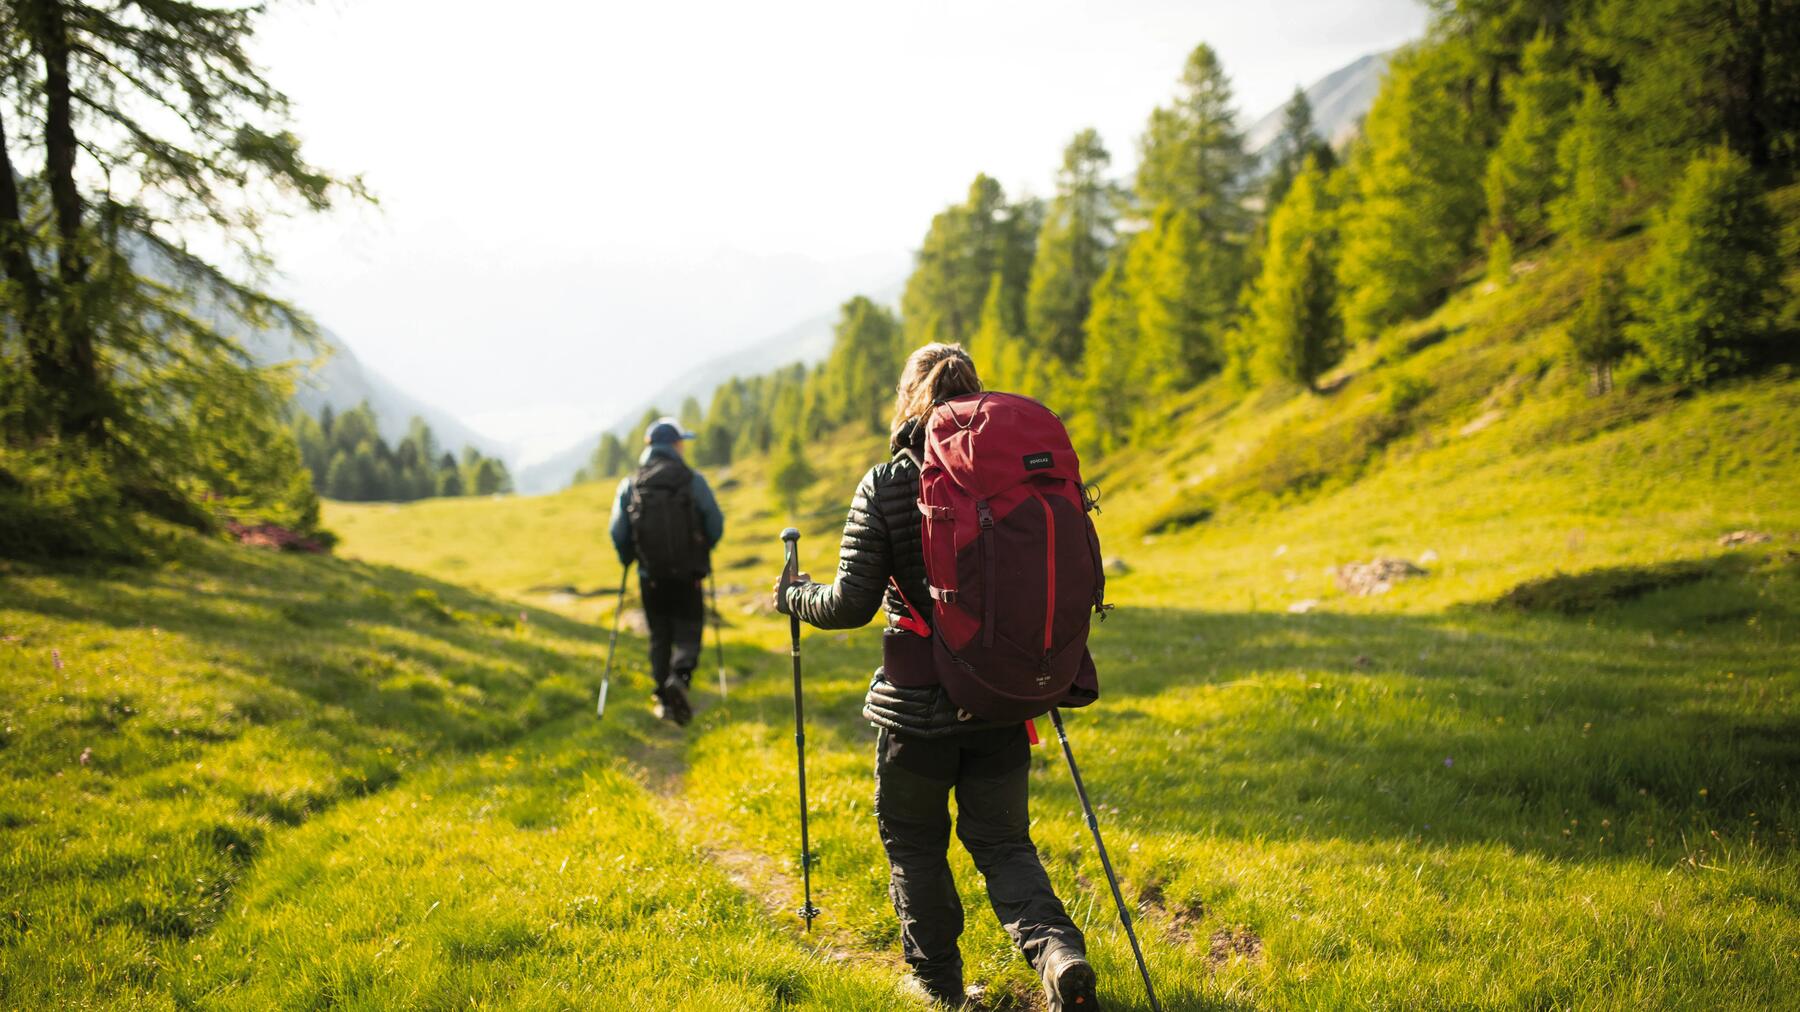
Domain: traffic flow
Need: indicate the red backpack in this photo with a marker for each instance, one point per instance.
(1012, 558)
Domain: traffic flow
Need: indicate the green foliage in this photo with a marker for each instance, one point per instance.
(145, 133)
(1107, 362)
(967, 245)
(610, 459)
(1186, 289)
(865, 359)
(1712, 280)
(1294, 326)
(791, 475)
(1293, 148)
(347, 459)
(1687, 73)
(63, 502)
(1589, 170)
(1500, 260)
(1416, 194)
(1597, 330)
(634, 442)
(1071, 251)
(1186, 269)
(1192, 155)
(1522, 171)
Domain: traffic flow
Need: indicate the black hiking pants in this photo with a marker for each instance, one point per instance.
(675, 611)
(988, 771)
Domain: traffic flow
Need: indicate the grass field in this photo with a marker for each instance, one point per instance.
(1561, 770)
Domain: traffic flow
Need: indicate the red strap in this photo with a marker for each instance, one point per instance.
(914, 622)
(1049, 569)
(1031, 731)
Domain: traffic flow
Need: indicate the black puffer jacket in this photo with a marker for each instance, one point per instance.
(882, 539)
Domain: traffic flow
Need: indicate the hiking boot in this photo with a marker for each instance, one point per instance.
(914, 986)
(1069, 983)
(672, 705)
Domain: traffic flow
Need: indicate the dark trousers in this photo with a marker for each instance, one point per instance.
(988, 771)
(675, 611)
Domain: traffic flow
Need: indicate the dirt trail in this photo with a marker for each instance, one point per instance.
(660, 765)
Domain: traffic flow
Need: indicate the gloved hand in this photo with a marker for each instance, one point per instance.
(781, 590)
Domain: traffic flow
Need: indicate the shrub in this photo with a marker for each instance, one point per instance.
(1712, 282)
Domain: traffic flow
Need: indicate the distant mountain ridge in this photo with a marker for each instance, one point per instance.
(808, 341)
(1339, 101)
(343, 381)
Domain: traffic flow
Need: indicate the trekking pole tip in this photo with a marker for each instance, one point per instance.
(791, 534)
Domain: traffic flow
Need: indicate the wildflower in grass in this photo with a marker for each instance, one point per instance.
(1447, 762)
(56, 659)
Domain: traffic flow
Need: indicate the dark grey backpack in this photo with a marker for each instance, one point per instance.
(665, 524)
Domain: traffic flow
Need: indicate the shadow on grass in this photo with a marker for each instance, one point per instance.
(1654, 715)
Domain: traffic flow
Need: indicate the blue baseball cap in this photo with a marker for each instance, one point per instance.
(666, 430)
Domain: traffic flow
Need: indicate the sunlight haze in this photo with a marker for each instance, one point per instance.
(579, 201)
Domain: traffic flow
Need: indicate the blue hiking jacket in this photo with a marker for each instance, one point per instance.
(712, 520)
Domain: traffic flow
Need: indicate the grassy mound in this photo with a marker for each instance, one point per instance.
(248, 779)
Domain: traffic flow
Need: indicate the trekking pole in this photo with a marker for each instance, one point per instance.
(1087, 809)
(613, 641)
(718, 634)
(790, 539)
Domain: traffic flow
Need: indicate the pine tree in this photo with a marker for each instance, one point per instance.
(1711, 280)
(1183, 309)
(991, 347)
(1686, 73)
(611, 459)
(1522, 172)
(691, 416)
(634, 443)
(865, 358)
(340, 480)
(1189, 263)
(1291, 150)
(791, 475)
(1597, 331)
(449, 477)
(1071, 250)
(965, 246)
(102, 281)
(490, 478)
(1294, 320)
(1416, 178)
(1589, 166)
(1107, 395)
(1192, 153)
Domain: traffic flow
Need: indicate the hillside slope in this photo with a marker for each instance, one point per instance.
(1560, 763)
(1556, 769)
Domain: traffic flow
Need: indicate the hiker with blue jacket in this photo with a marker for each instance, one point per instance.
(666, 520)
(926, 746)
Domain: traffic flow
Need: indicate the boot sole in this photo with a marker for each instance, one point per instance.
(1075, 987)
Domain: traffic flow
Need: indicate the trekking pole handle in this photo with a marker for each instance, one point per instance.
(790, 540)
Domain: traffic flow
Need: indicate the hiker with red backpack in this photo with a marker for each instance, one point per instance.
(975, 537)
(666, 520)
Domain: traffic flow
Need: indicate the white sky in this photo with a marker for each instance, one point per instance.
(581, 199)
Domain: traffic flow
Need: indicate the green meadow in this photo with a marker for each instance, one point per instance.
(1557, 770)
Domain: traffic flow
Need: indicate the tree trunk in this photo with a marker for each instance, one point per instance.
(74, 378)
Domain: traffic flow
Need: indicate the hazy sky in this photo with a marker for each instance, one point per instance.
(580, 199)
